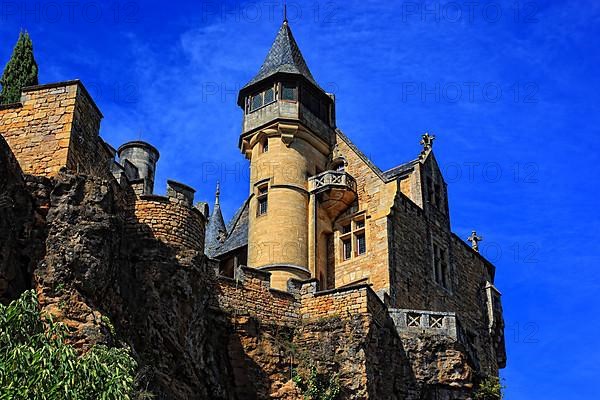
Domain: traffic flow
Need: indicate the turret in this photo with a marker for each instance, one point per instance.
(288, 132)
(143, 156)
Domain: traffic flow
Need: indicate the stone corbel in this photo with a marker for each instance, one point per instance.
(288, 133)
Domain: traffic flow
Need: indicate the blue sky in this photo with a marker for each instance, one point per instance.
(510, 90)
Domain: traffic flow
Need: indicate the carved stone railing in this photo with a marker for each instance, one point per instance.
(441, 323)
(330, 179)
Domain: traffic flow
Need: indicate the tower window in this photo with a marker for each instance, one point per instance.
(257, 102)
(288, 92)
(269, 96)
(353, 238)
(265, 145)
(263, 200)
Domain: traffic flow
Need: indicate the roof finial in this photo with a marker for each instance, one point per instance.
(285, 20)
(217, 194)
(475, 239)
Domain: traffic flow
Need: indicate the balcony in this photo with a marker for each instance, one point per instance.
(335, 191)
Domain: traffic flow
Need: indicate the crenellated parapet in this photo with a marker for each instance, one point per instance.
(170, 219)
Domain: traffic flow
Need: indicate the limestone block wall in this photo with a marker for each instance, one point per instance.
(413, 285)
(169, 220)
(251, 294)
(375, 198)
(54, 126)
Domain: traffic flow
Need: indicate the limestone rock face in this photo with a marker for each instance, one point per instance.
(19, 226)
(110, 288)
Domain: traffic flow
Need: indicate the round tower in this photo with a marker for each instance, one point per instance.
(144, 157)
(287, 135)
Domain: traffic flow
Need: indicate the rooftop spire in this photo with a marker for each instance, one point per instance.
(284, 56)
(216, 232)
(285, 20)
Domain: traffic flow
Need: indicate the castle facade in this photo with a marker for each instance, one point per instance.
(324, 234)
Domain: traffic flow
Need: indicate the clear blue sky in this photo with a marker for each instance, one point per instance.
(510, 91)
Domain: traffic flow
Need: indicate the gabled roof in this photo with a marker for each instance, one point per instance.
(386, 176)
(285, 57)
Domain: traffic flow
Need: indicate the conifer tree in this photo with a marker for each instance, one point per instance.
(21, 71)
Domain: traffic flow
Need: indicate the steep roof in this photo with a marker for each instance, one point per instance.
(284, 56)
(238, 232)
(215, 230)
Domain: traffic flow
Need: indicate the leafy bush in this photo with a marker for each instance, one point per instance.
(315, 386)
(37, 363)
(490, 389)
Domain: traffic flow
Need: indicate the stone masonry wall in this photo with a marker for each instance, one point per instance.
(375, 198)
(54, 126)
(413, 285)
(168, 220)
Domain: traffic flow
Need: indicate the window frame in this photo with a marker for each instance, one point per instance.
(262, 198)
(352, 232)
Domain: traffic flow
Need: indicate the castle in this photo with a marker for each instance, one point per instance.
(323, 235)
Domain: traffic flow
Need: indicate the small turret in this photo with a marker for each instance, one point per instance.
(216, 230)
(144, 157)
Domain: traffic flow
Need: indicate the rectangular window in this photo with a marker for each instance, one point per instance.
(353, 238)
(257, 102)
(346, 228)
(269, 96)
(347, 249)
(263, 197)
(361, 244)
(288, 92)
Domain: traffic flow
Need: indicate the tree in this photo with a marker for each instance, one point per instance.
(37, 363)
(21, 71)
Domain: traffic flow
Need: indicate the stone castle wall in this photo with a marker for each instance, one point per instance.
(413, 284)
(375, 198)
(54, 126)
(173, 222)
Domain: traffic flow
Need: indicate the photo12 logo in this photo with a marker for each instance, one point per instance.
(469, 12)
(27, 12)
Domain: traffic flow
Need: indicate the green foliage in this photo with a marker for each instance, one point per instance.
(21, 71)
(490, 389)
(37, 363)
(317, 386)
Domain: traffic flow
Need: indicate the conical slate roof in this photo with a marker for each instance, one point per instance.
(215, 231)
(284, 56)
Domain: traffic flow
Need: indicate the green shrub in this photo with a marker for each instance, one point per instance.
(490, 389)
(37, 363)
(315, 386)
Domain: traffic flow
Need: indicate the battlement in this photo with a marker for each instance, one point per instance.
(170, 219)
